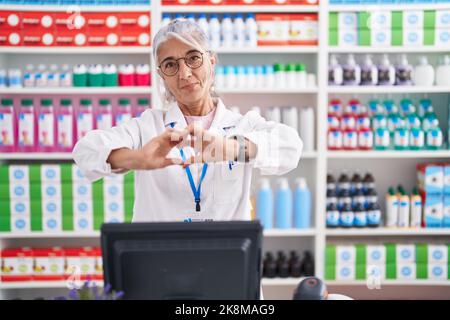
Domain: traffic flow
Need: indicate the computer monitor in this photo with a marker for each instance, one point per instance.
(183, 260)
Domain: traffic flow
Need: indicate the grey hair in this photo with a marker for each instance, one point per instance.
(186, 31)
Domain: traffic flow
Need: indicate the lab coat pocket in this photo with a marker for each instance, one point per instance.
(228, 180)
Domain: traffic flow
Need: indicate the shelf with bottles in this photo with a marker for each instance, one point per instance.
(46, 125)
(59, 78)
(269, 50)
(381, 50)
(363, 74)
(284, 268)
(251, 30)
(390, 127)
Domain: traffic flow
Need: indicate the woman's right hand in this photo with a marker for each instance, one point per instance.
(153, 155)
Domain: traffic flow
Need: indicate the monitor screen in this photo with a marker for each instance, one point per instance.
(179, 260)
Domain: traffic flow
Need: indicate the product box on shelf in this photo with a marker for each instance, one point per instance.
(80, 263)
(303, 29)
(431, 178)
(446, 219)
(49, 264)
(405, 253)
(273, 29)
(16, 265)
(406, 271)
(433, 210)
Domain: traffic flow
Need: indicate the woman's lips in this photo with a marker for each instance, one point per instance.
(189, 86)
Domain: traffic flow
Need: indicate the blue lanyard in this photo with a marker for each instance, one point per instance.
(195, 190)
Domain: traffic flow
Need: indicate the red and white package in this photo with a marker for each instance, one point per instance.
(49, 264)
(16, 265)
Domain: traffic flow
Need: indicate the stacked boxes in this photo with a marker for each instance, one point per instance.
(51, 264)
(387, 261)
(390, 28)
(434, 186)
(287, 29)
(34, 28)
(57, 197)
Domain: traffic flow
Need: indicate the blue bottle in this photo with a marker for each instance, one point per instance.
(302, 205)
(264, 204)
(283, 205)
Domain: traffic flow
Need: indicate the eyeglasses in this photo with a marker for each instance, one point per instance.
(170, 66)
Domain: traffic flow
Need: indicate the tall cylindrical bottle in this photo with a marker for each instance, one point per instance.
(306, 128)
(26, 133)
(283, 205)
(65, 126)
(302, 205)
(264, 204)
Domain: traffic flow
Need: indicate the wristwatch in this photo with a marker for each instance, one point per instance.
(242, 155)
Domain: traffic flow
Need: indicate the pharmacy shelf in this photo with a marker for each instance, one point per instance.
(48, 235)
(278, 233)
(380, 50)
(78, 90)
(379, 232)
(75, 50)
(390, 283)
(65, 8)
(40, 285)
(240, 9)
(391, 154)
(309, 155)
(268, 91)
(387, 89)
(266, 282)
(269, 49)
(36, 156)
(387, 7)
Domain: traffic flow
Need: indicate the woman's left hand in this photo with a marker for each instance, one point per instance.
(209, 146)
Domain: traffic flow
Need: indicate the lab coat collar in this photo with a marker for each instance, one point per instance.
(223, 118)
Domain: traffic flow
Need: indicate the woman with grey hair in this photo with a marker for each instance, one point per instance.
(193, 157)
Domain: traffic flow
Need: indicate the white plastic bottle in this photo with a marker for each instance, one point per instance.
(386, 72)
(392, 207)
(191, 17)
(65, 77)
(369, 72)
(239, 31)
(28, 76)
(423, 74)
(351, 72)
(306, 128)
(41, 76)
(335, 72)
(203, 23)
(53, 76)
(443, 72)
(273, 114)
(289, 116)
(251, 31)
(214, 31)
(227, 31)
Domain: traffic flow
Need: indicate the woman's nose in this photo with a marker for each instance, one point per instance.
(184, 71)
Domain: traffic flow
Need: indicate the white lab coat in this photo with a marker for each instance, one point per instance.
(165, 194)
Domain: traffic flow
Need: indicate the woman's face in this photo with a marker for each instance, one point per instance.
(189, 86)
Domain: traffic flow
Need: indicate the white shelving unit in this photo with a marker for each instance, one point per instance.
(314, 164)
(78, 90)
